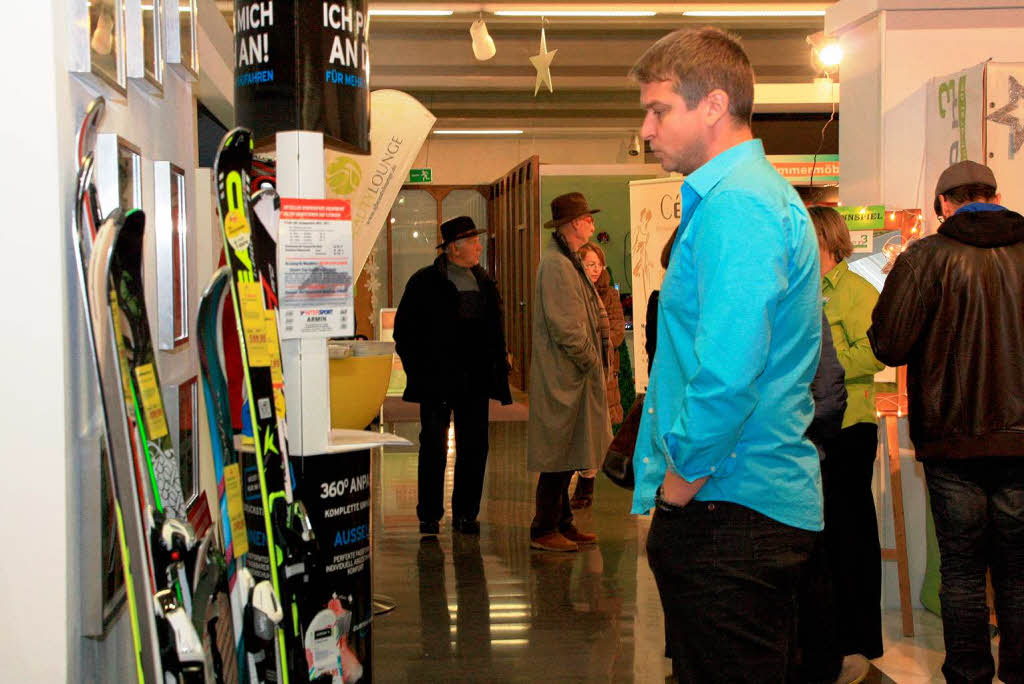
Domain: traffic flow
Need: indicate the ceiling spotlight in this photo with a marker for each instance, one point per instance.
(483, 44)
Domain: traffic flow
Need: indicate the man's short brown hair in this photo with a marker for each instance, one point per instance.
(833, 233)
(699, 61)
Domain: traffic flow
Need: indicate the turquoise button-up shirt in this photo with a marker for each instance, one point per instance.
(739, 330)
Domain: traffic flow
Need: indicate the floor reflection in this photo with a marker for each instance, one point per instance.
(488, 609)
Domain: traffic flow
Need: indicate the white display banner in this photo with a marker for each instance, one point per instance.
(315, 258)
(953, 128)
(398, 126)
(1004, 130)
(654, 210)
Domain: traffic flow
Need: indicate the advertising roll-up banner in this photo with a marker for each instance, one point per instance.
(1004, 130)
(953, 128)
(371, 182)
(339, 603)
(304, 66)
(654, 211)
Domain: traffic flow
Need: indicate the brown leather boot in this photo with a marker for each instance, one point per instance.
(553, 541)
(583, 496)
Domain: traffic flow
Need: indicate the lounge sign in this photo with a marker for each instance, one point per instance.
(304, 66)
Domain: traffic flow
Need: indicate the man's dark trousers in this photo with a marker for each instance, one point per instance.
(727, 577)
(978, 507)
(470, 411)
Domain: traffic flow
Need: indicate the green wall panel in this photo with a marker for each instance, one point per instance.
(610, 194)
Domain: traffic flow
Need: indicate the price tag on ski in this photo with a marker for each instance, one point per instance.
(152, 405)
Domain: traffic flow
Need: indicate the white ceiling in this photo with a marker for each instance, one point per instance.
(432, 59)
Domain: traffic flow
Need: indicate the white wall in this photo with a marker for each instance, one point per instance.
(888, 57)
(34, 586)
(47, 414)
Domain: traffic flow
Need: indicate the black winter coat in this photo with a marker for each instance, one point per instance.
(425, 330)
(952, 310)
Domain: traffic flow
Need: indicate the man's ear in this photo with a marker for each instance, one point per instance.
(716, 106)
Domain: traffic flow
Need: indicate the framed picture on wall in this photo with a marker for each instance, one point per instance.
(180, 48)
(144, 57)
(172, 262)
(97, 44)
(118, 173)
(181, 404)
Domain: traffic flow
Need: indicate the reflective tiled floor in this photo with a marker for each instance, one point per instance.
(488, 609)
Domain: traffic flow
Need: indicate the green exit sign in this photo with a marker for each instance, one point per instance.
(420, 175)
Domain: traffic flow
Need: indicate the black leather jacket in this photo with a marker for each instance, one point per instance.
(953, 310)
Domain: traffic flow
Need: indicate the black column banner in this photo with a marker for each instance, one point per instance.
(304, 66)
(338, 609)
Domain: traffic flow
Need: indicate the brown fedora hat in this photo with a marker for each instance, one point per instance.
(567, 207)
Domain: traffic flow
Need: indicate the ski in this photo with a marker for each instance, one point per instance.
(266, 477)
(132, 390)
(82, 238)
(225, 460)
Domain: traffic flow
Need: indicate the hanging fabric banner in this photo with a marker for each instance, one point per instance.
(371, 182)
(654, 211)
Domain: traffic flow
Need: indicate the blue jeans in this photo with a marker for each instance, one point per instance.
(978, 506)
(727, 577)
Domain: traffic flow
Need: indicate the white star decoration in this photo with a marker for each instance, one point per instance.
(542, 63)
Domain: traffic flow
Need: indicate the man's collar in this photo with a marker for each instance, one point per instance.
(716, 168)
(980, 206)
(837, 272)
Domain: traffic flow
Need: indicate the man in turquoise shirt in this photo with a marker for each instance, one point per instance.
(721, 454)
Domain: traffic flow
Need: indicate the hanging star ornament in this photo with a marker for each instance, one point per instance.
(542, 63)
(1007, 116)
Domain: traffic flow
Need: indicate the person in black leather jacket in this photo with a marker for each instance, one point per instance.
(952, 310)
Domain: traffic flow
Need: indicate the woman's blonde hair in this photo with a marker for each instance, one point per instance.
(591, 247)
(833, 233)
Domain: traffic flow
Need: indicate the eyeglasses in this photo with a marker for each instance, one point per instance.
(592, 265)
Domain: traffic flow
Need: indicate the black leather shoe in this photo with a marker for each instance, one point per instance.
(430, 528)
(466, 526)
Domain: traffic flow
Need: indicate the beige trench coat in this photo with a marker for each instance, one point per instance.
(569, 427)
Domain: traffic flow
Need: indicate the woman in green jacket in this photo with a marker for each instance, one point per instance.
(851, 526)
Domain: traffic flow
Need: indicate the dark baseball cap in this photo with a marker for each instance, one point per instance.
(964, 173)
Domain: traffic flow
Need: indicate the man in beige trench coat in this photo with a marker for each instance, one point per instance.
(569, 428)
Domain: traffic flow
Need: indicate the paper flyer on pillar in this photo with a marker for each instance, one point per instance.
(315, 266)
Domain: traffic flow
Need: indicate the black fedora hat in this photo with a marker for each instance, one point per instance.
(567, 207)
(456, 229)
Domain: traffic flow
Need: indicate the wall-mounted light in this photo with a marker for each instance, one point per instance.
(826, 52)
(483, 44)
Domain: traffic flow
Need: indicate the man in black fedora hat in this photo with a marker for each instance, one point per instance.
(568, 427)
(450, 336)
(952, 310)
